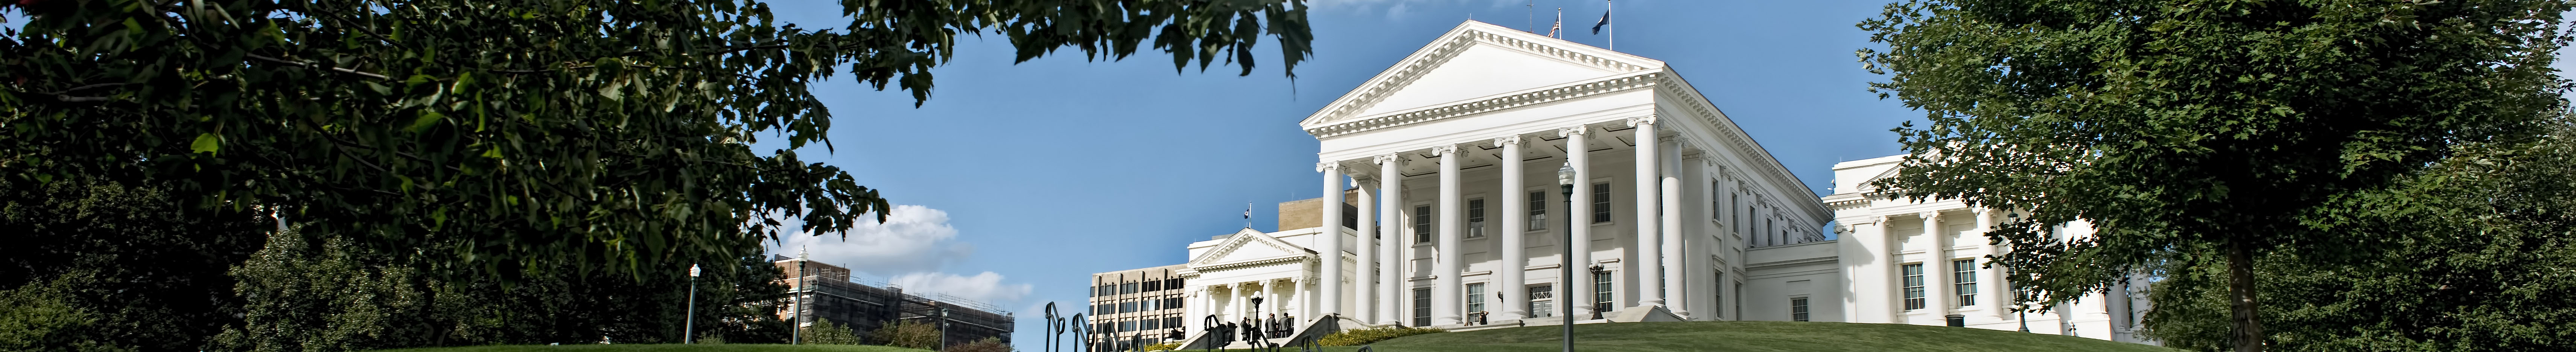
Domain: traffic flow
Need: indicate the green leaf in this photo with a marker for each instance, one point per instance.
(206, 143)
(427, 118)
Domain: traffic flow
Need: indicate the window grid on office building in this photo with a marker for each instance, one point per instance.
(1475, 218)
(1538, 210)
(1798, 309)
(1913, 286)
(1601, 202)
(1422, 224)
(1964, 273)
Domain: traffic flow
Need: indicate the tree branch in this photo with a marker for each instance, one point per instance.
(300, 64)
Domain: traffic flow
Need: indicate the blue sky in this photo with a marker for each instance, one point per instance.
(1021, 180)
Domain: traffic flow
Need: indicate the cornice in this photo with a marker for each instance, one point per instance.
(1467, 38)
(1699, 107)
(1611, 85)
(1255, 263)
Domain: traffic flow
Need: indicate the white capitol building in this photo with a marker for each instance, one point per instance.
(1441, 176)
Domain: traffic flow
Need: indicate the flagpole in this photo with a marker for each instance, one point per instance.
(1614, 27)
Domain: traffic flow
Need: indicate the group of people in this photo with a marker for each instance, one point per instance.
(1271, 327)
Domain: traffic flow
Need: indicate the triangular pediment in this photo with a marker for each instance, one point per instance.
(1473, 61)
(1249, 245)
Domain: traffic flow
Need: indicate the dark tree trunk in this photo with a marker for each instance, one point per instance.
(2240, 297)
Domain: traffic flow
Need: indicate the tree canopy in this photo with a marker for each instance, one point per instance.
(489, 138)
(2197, 127)
(2491, 247)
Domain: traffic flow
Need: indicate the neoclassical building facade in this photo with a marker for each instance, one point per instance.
(1915, 262)
(1442, 207)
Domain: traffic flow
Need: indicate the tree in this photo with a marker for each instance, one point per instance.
(594, 134)
(991, 344)
(2180, 127)
(309, 297)
(143, 273)
(907, 334)
(826, 332)
(2492, 250)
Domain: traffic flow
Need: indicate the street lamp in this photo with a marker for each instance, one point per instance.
(688, 327)
(1565, 277)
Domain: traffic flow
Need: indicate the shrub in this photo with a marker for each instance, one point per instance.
(1356, 337)
(912, 334)
(988, 344)
(1166, 346)
(826, 332)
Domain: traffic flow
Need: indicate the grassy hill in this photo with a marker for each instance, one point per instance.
(1752, 336)
(664, 348)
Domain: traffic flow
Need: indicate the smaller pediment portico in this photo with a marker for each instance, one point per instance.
(1228, 277)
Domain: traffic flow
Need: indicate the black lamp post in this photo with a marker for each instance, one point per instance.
(1565, 190)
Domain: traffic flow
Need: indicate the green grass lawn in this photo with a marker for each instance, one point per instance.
(663, 348)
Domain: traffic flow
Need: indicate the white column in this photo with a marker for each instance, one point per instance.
(1364, 293)
(1895, 278)
(1936, 266)
(1672, 232)
(1444, 262)
(1234, 300)
(1508, 275)
(1330, 297)
(1991, 287)
(1391, 261)
(1649, 251)
(1578, 304)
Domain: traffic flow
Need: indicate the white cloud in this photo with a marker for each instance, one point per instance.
(913, 239)
(909, 249)
(986, 287)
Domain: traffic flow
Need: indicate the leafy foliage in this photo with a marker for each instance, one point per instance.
(826, 332)
(988, 344)
(2490, 251)
(906, 334)
(492, 138)
(321, 297)
(1356, 337)
(2181, 127)
(41, 317)
(143, 273)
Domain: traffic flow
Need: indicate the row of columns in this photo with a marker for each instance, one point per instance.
(1657, 195)
(1274, 299)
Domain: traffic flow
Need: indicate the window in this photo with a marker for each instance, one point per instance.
(1127, 288)
(1127, 307)
(1715, 194)
(1601, 202)
(1601, 291)
(1538, 210)
(1913, 286)
(1475, 218)
(1422, 224)
(1172, 283)
(1151, 324)
(1964, 273)
(1421, 307)
(1126, 326)
(1150, 304)
(1540, 304)
(1798, 309)
(1717, 296)
(1475, 297)
(1153, 285)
